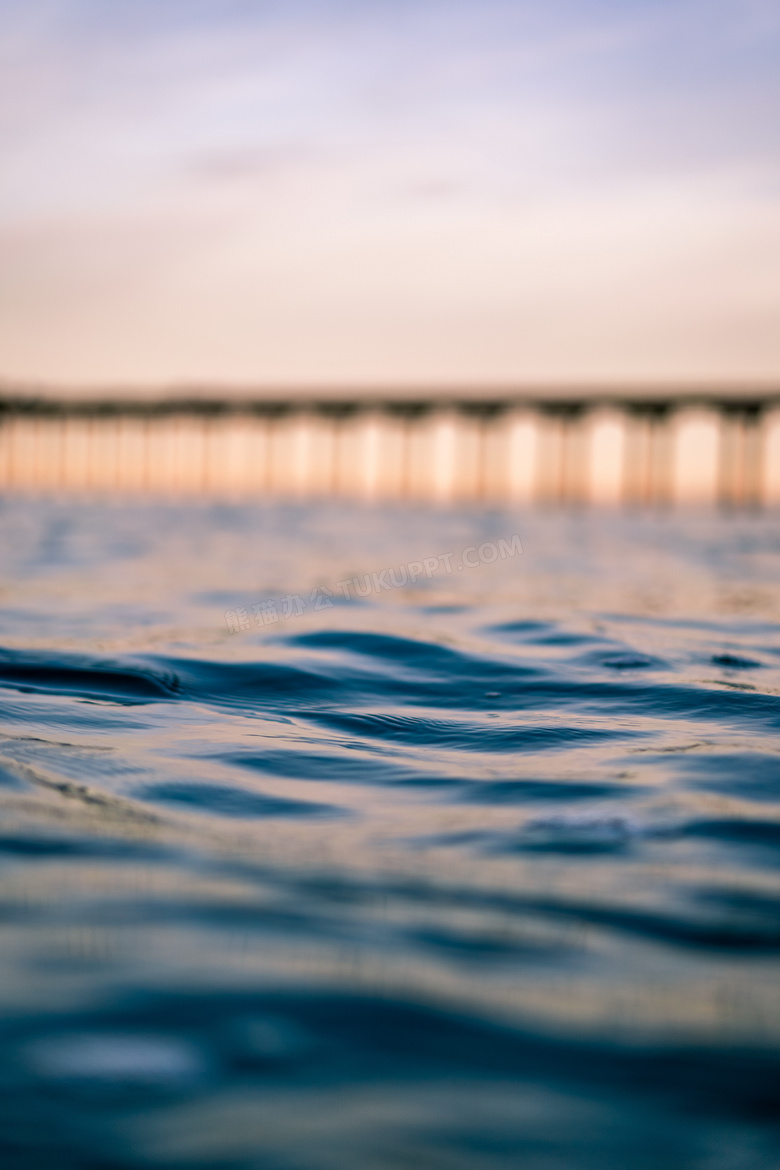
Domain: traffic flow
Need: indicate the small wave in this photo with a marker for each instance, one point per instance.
(463, 734)
(572, 832)
(538, 791)
(735, 662)
(747, 775)
(87, 678)
(481, 876)
(225, 801)
(337, 767)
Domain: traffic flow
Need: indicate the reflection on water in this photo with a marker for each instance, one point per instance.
(480, 872)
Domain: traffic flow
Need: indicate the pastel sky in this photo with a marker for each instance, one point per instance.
(389, 191)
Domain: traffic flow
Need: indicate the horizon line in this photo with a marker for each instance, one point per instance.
(28, 393)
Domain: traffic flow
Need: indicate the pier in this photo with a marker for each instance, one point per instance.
(594, 448)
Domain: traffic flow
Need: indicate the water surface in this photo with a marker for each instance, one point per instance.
(479, 872)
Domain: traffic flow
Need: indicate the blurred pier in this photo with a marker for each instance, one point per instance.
(695, 449)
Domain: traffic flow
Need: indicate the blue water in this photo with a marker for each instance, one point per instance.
(478, 872)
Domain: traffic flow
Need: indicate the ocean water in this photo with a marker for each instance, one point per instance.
(473, 872)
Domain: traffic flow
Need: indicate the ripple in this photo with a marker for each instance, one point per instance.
(482, 876)
(338, 767)
(225, 801)
(468, 736)
(502, 792)
(747, 775)
(734, 662)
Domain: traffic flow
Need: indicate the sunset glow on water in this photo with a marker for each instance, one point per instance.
(474, 871)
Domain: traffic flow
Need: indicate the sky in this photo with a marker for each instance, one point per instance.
(334, 192)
